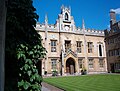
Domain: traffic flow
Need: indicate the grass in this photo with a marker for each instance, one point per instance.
(108, 82)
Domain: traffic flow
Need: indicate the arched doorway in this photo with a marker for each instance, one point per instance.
(70, 66)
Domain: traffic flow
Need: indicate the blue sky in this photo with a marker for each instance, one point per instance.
(94, 12)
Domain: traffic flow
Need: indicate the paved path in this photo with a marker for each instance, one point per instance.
(48, 87)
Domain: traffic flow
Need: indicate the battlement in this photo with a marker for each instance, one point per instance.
(42, 27)
(78, 30)
(94, 32)
(90, 31)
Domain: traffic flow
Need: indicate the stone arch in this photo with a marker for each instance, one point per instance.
(70, 66)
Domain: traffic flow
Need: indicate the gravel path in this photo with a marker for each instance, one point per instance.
(48, 87)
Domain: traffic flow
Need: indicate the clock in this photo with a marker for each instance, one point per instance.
(66, 28)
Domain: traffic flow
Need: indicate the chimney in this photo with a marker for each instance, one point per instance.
(112, 17)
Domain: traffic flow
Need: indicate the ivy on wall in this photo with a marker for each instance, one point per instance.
(23, 47)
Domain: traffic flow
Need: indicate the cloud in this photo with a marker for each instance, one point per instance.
(108, 27)
(117, 11)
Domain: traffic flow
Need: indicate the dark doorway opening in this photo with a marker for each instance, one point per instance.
(70, 66)
(39, 67)
(112, 67)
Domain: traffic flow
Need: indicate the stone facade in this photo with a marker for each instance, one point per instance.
(112, 40)
(71, 49)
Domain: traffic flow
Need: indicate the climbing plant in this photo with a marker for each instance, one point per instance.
(23, 47)
(29, 79)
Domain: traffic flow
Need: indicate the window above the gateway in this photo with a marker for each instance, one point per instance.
(67, 45)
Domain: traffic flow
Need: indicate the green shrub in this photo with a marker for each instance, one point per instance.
(54, 73)
(83, 72)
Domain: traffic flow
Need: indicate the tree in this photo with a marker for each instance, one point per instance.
(23, 47)
(2, 42)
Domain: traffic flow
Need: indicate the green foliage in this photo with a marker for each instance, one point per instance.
(54, 73)
(23, 47)
(83, 71)
(29, 77)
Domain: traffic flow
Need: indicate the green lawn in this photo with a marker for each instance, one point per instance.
(87, 82)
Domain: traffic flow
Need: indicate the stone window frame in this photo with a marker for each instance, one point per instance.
(90, 47)
(80, 63)
(114, 52)
(100, 50)
(91, 63)
(117, 66)
(66, 16)
(101, 63)
(79, 46)
(53, 64)
(53, 45)
(67, 45)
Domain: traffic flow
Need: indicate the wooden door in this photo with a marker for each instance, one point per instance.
(67, 70)
(71, 69)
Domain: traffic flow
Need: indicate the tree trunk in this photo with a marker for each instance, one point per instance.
(2, 42)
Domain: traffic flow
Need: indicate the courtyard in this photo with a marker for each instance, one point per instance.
(101, 82)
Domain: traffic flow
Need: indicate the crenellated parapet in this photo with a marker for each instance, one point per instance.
(50, 27)
(90, 31)
(39, 26)
(94, 32)
(78, 30)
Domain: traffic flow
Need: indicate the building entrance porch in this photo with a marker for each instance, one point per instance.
(70, 66)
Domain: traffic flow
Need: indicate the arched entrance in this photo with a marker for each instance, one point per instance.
(70, 66)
